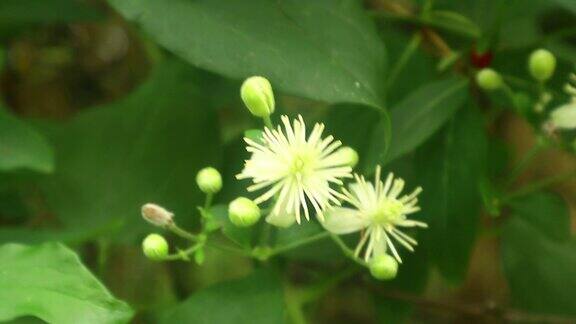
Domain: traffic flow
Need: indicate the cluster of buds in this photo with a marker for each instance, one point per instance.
(302, 172)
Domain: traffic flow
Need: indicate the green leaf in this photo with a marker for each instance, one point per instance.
(423, 112)
(539, 258)
(450, 167)
(49, 281)
(325, 49)
(255, 299)
(547, 212)
(45, 11)
(146, 147)
(453, 21)
(568, 4)
(21, 147)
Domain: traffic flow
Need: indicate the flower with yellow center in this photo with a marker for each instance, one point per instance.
(296, 170)
(380, 211)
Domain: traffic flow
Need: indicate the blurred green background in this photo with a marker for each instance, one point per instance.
(107, 105)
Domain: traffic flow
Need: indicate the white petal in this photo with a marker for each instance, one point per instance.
(340, 220)
(281, 219)
(564, 116)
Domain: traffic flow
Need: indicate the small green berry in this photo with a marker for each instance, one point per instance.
(349, 155)
(155, 247)
(256, 93)
(243, 212)
(488, 79)
(209, 180)
(541, 64)
(383, 267)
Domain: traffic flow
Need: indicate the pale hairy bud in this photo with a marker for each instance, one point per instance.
(157, 215)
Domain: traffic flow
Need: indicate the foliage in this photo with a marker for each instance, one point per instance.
(112, 104)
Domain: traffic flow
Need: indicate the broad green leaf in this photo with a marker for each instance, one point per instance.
(255, 299)
(568, 4)
(453, 21)
(450, 167)
(21, 147)
(422, 113)
(546, 211)
(45, 11)
(324, 49)
(538, 257)
(146, 147)
(48, 281)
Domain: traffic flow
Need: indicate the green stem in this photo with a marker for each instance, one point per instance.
(404, 58)
(297, 244)
(524, 163)
(268, 122)
(208, 201)
(182, 233)
(183, 254)
(346, 250)
(294, 305)
(540, 184)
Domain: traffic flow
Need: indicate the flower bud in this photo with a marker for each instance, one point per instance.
(256, 93)
(157, 215)
(488, 79)
(541, 64)
(209, 180)
(243, 212)
(155, 247)
(349, 155)
(383, 267)
(564, 117)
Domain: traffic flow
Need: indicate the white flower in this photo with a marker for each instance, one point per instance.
(295, 169)
(380, 212)
(564, 117)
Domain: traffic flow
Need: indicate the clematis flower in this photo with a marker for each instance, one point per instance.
(380, 212)
(296, 170)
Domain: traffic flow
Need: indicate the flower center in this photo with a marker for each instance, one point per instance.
(389, 212)
(302, 163)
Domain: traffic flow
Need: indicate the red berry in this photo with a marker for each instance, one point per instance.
(480, 60)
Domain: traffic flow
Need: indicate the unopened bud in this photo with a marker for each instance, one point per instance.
(564, 117)
(348, 155)
(488, 79)
(383, 267)
(157, 215)
(155, 247)
(209, 180)
(256, 93)
(541, 64)
(243, 212)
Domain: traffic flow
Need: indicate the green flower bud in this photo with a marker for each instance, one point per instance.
(243, 212)
(209, 180)
(256, 92)
(541, 64)
(348, 155)
(383, 267)
(155, 247)
(488, 79)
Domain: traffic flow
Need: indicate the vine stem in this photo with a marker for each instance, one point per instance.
(297, 244)
(404, 58)
(346, 250)
(524, 163)
(540, 184)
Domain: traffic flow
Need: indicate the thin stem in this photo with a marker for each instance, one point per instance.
(297, 244)
(404, 58)
(540, 184)
(524, 163)
(208, 201)
(346, 250)
(183, 254)
(268, 122)
(182, 233)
